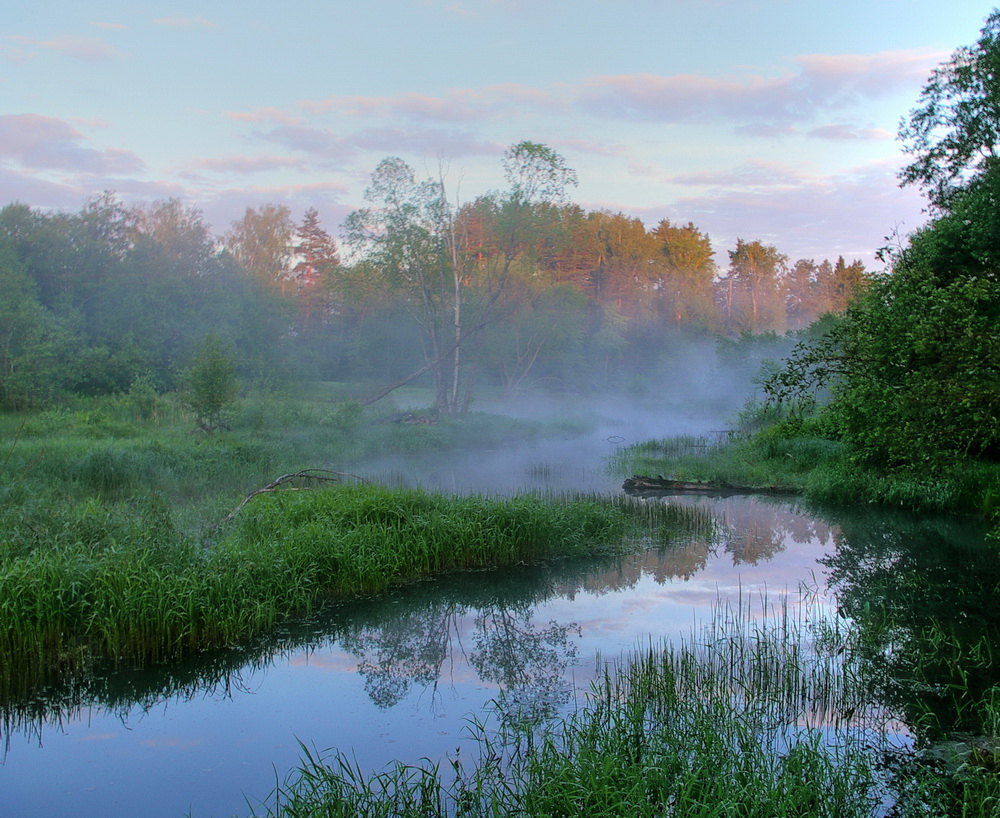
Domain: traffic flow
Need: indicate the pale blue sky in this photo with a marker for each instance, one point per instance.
(770, 120)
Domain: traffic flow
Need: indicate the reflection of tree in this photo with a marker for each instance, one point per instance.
(404, 649)
(921, 591)
(527, 662)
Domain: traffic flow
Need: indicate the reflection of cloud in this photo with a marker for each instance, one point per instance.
(94, 737)
(329, 660)
(172, 743)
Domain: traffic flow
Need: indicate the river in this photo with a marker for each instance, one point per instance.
(401, 676)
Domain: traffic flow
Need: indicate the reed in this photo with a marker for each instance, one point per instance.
(133, 588)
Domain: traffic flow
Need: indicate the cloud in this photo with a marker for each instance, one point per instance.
(43, 143)
(332, 146)
(112, 26)
(771, 102)
(752, 175)
(803, 215)
(86, 49)
(843, 132)
(266, 114)
(455, 105)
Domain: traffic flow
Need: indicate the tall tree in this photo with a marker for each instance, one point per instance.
(452, 264)
(685, 269)
(954, 133)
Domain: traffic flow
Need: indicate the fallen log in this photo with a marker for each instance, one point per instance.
(642, 484)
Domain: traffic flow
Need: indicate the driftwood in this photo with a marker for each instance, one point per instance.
(641, 484)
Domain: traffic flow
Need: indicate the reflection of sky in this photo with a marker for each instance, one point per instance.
(203, 754)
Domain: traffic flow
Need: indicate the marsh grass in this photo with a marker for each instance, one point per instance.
(750, 716)
(127, 585)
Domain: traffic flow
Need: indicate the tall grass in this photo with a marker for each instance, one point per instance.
(131, 589)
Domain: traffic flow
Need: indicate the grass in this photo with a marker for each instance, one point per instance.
(746, 718)
(819, 468)
(124, 587)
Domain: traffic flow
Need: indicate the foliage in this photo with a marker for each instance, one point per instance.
(954, 133)
(211, 384)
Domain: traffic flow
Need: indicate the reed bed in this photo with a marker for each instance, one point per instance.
(148, 595)
(746, 718)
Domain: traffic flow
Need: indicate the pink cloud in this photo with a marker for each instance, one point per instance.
(755, 174)
(41, 142)
(337, 148)
(773, 102)
(457, 104)
(845, 132)
(266, 114)
(848, 214)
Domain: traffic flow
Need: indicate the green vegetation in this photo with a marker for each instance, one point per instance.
(898, 399)
(111, 540)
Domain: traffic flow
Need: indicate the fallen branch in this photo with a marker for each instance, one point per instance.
(318, 475)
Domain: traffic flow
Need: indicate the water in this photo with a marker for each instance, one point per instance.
(394, 677)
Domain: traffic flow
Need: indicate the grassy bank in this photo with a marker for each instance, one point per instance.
(147, 595)
(790, 458)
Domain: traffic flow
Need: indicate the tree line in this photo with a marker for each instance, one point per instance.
(515, 287)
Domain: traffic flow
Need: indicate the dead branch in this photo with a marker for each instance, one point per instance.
(316, 475)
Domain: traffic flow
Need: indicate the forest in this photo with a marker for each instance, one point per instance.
(514, 289)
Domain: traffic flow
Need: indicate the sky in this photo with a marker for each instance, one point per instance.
(771, 120)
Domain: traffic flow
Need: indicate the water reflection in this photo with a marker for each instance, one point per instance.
(390, 677)
(921, 591)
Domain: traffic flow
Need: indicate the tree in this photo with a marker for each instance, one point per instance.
(536, 173)
(452, 265)
(685, 271)
(211, 384)
(404, 237)
(262, 243)
(953, 135)
(33, 350)
(915, 362)
(751, 294)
